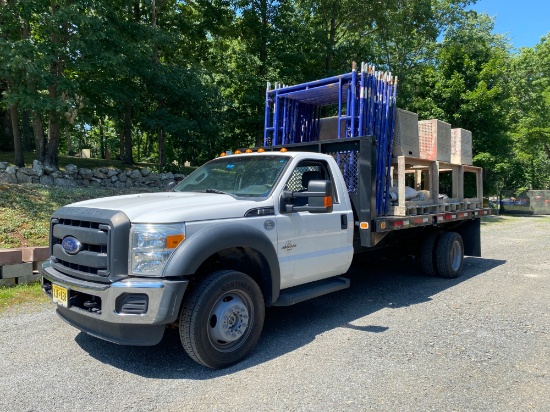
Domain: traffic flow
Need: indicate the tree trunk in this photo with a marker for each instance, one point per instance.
(69, 142)
(17, 144)
(101, 139)
(51, 157)
(330, 46)
(128, 158)
(39, 140)
(26, 136)
(162, 152)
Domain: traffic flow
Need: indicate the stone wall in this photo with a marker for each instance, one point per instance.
(72, 176)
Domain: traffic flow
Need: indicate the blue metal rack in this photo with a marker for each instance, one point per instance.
(365, 104)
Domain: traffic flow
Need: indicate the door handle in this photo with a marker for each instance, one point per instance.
(343, 221)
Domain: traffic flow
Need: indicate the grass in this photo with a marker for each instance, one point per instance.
(21, 294)
(25, 210)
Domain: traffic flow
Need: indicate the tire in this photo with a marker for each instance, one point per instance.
(450, 255)
(428, 254)
(223, 295)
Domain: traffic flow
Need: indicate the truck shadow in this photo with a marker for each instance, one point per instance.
(374, 286)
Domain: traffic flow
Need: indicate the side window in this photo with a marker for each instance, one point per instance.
(304, 173)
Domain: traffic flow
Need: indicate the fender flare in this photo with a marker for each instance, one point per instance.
(190, 255)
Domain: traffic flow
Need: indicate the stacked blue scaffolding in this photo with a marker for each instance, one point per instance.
(365, 106)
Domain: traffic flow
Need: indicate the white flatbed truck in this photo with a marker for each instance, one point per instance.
(243, 232)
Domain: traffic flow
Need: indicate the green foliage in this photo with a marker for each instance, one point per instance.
(169, 80)
(532, 115)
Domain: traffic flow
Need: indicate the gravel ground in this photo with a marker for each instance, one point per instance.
(395, 341)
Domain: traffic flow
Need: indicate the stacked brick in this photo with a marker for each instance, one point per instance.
(20, 266)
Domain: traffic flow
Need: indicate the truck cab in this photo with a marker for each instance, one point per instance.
(240, 233)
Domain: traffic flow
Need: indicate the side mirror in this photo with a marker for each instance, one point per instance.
(319, 195)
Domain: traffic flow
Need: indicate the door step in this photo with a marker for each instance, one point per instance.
(312, 290)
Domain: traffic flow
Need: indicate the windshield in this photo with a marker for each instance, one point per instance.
(243, 176)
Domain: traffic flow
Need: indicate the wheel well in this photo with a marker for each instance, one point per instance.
(242, 259)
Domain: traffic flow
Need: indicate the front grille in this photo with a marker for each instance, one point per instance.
(81, 268)
(92, 259)
(102, 237)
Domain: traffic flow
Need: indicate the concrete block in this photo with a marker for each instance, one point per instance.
(36, 265)
(15, 271)
(35, 277)
(8, 283)
(33, 254)
(10, 257)
(434, 140)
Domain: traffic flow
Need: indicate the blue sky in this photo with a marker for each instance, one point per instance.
(524, 21)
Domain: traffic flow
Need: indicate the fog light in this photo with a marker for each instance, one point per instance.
(132, 304)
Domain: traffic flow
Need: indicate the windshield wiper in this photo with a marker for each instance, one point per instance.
(219, 192)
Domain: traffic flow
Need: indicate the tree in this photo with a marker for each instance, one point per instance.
(469, 87)
(531, 85)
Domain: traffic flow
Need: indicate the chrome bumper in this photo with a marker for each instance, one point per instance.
(164, 300)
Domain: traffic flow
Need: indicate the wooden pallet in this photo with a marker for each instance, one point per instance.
(403, 165)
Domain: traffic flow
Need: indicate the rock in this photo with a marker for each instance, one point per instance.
(114, 179)
(4, 166)
(119, 185)
(63, 182)
(179, 176)
(7, 177)
(112, 172)
(71, 170)
(28, 171)
(152, 177)
(46, 180)
(99, 174)
(48, 170)
(23, 177)
(85, 174)
(122, 177)
(145, 172)
(129, 183)
(135, 174)
(170, 176)
(38, 167)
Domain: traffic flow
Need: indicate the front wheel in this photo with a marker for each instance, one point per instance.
(222, 318)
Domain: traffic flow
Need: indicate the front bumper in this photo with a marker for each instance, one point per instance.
(109, 312)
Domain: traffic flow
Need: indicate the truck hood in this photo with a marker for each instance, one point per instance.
(173, 206)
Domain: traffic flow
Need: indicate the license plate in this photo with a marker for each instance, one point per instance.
(60, 295)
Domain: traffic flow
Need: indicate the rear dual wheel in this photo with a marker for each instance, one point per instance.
(442, 254)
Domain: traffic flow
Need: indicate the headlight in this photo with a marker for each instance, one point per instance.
(152, 245)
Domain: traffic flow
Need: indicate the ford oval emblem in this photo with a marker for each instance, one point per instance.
(71, 245)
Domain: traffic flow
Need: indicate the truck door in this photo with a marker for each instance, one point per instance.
(313, 246)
